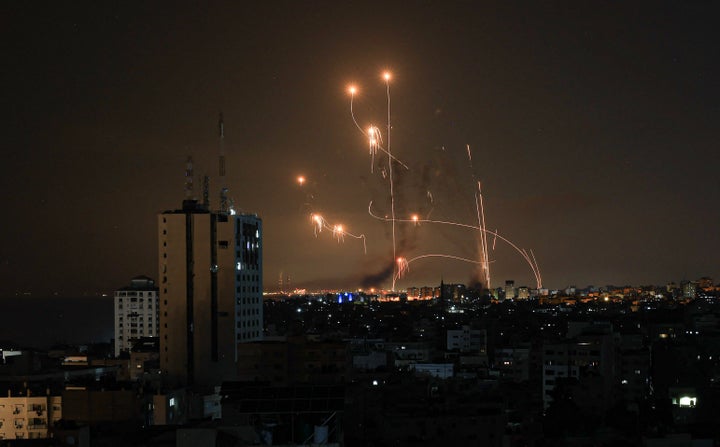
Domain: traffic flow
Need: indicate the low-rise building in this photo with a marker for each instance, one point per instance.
(28, 416)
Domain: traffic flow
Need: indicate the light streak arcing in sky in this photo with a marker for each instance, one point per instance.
(483, 235)
(386, 75)
(338, 230)
(400, 263)
(352, 90)
(480, 210)
(377, 143)
(406, 262)
(530, 260)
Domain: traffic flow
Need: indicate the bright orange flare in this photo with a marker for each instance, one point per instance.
(387, 76)
(301, 180)
(352, 89)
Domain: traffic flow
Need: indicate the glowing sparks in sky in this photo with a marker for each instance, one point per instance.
(528, 257)
(338, 230)
(401, 263)
(402, 266)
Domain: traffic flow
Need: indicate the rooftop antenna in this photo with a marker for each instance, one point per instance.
(206, 192)
(189, 195)
(224, 207)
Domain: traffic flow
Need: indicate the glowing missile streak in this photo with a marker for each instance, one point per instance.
(352, 90)
(373, 134)
(483, 244)
(338, 231)
(301, 180)
(486, 264)
(386, 75)
(405, 263)
(537, 268)
(374, 140)
(402, 266)
(532, 265)
(318, 223)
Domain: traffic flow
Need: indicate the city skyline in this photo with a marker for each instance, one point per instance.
(591, 129)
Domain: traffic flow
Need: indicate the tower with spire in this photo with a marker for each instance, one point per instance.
(210, 280)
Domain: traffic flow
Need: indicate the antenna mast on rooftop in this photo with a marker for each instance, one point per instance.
(189, 194)
(224, 207)
(206, 192)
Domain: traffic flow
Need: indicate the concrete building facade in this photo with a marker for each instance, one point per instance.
(28, 417)
(210, 269)
(467, 339)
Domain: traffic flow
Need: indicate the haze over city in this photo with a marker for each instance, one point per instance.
(592, 126)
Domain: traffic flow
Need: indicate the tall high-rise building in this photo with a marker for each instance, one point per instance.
(136, 313)
(210, 269)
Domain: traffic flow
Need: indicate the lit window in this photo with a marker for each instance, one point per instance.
(687, 401)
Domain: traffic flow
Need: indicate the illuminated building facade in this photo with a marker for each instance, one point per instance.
(210, 269)
(136, 313)
(28, 416)
(689, 289)
(509, 289)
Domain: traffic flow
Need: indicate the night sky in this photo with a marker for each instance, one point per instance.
(593, 127)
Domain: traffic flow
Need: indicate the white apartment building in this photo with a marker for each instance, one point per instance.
(137, 313)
